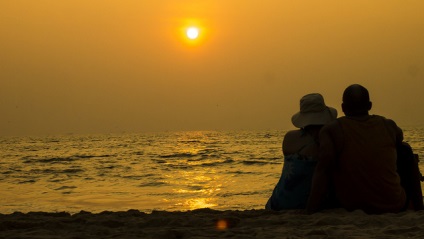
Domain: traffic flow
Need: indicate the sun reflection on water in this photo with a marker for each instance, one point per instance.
(196, 203)
(203, 187)
(198, 189)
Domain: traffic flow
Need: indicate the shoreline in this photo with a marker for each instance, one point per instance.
(208, 223)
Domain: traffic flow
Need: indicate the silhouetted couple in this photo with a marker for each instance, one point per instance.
(350, 162)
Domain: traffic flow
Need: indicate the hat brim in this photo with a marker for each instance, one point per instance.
(301, 120)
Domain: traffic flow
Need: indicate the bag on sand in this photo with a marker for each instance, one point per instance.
(410, 175)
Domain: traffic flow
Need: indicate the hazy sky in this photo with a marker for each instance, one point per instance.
(94, 66)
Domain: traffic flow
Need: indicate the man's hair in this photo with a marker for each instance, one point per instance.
(356, 100)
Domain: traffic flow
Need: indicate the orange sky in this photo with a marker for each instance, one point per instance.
(97, 66)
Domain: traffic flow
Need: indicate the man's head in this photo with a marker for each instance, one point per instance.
(356, 101)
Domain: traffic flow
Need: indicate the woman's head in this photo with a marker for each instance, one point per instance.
(313, 111)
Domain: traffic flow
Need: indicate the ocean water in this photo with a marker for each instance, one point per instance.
(173, 171)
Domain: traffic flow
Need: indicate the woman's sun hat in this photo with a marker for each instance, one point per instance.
(313, 111)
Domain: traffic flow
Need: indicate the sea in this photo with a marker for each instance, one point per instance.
(172, 171)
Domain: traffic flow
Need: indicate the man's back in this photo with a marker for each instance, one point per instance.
(357, 159)
(364, 172)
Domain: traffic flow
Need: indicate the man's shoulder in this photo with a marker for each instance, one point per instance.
(331, 126)
(394, 129)
(389, 122)
(331, 130)
(369, 118)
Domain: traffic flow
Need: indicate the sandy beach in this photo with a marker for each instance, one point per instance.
(207, 223)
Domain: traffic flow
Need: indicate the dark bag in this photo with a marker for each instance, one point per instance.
(410, 175)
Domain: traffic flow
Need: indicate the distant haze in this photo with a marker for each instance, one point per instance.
(77, 66)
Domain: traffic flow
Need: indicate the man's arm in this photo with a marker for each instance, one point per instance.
(399, 133)
(321, 179)
(396, 132)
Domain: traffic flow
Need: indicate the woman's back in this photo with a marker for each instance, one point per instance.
(302, 141)
(300, 149)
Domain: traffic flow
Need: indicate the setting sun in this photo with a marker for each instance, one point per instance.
(192, 32)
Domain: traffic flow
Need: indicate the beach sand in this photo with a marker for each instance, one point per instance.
(207, 223)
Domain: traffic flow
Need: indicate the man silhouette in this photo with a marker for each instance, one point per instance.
(357, 162)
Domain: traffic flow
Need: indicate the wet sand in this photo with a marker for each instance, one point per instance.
(207, 223)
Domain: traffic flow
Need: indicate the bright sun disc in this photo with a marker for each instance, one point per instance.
(192, 33)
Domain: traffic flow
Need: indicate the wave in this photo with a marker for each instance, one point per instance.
(27, 181)
(72, 171)
(160, 161)
(65, 188)
(29, 159)
(178, 155)
(190, 141)
(249, 193)
(152, 184)
(196, 187)
(254, 162)
(238, 172)
(135, 177)
(51, 171)
(218, 163)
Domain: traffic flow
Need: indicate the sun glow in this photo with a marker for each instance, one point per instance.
(192, 32)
